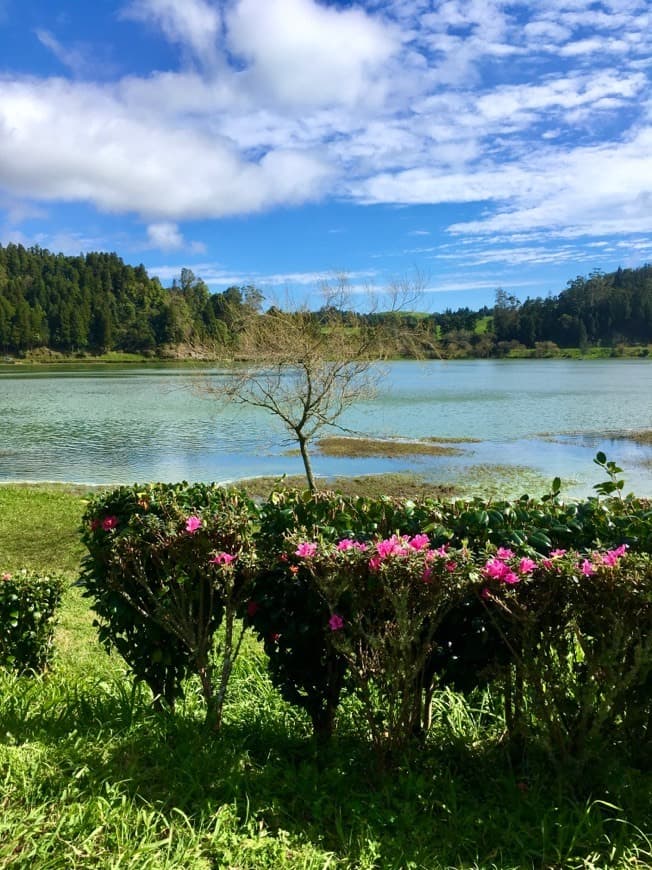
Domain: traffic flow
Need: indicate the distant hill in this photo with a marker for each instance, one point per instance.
(95, 303)
(603, 309)
(98, 303)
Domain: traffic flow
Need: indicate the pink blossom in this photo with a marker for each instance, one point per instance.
(485, 593)
(611, 557)
(274, 636)
(193, 523)
(557, 554)
(546, 563)
(419, 542)
(504, 553)
(335, 623)
(510, 577)
(451, 566)
(587, 568)
(495, 568)
(306, 549)
(427, 575)
(6, 576)
(375, 562)
(393, 546)
(440, 551)
(109, 523)
(348, 544)
(526, 566)
(222, 559)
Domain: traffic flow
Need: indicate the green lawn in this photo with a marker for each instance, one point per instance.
(93, 777)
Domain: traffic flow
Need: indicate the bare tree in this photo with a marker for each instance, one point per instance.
(308, 367)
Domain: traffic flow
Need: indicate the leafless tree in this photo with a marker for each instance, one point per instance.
(306, 368)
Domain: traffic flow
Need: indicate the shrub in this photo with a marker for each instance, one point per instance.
(578, 629)
(386, 599)
(28, 604)
(167, 565)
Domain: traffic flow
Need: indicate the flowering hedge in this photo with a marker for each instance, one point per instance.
(578, 630)
(28, 605)
(167, 565)
(390, 599)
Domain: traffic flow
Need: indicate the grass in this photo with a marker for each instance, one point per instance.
(641, 437)
(389, 447)
(395, 484)
(92, 777)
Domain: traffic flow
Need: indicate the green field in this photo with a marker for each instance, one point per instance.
(92, 776)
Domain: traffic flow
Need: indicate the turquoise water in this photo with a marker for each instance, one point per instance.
(107, 425)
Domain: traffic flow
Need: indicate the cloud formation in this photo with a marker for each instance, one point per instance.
(540, 112)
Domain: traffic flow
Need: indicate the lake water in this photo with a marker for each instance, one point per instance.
(108, 425)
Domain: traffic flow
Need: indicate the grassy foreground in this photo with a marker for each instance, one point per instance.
(93, 777)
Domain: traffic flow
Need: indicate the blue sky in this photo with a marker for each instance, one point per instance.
(474, 143)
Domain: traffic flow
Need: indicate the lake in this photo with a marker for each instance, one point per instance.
(531, 420)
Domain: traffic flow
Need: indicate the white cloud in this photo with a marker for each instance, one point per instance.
(302, 53)
(80, 144)
(387, 101)
(214, 274)
(192, 23)
(165, 236)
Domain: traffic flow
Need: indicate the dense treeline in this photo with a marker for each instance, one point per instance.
(97, 303)
(598, 310)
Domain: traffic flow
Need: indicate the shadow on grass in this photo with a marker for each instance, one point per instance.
(447, 805)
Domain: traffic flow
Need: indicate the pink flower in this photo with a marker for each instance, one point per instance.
(611, 557)
(222, 559)
(193, 523)
(6, 576)
(440, 551)
(419, 542)
(587, 568)
(510, 577)
(306, 549)
(109, 523)
(526, 566)
(252, 608)
(495, 568)
(427, 575)
(274, 636)
(557, 554)
(348, 544)
(335, 623)
(451, 566)
(546, 563)
(485, 593)
(375, 562)
(504, 553)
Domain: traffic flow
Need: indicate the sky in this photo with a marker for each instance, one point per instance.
(461, 145)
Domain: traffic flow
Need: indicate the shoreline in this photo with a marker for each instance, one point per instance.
(50, 359)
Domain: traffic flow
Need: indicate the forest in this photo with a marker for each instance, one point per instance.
(95, 303)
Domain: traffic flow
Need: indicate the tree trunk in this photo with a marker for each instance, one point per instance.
(303, 447)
